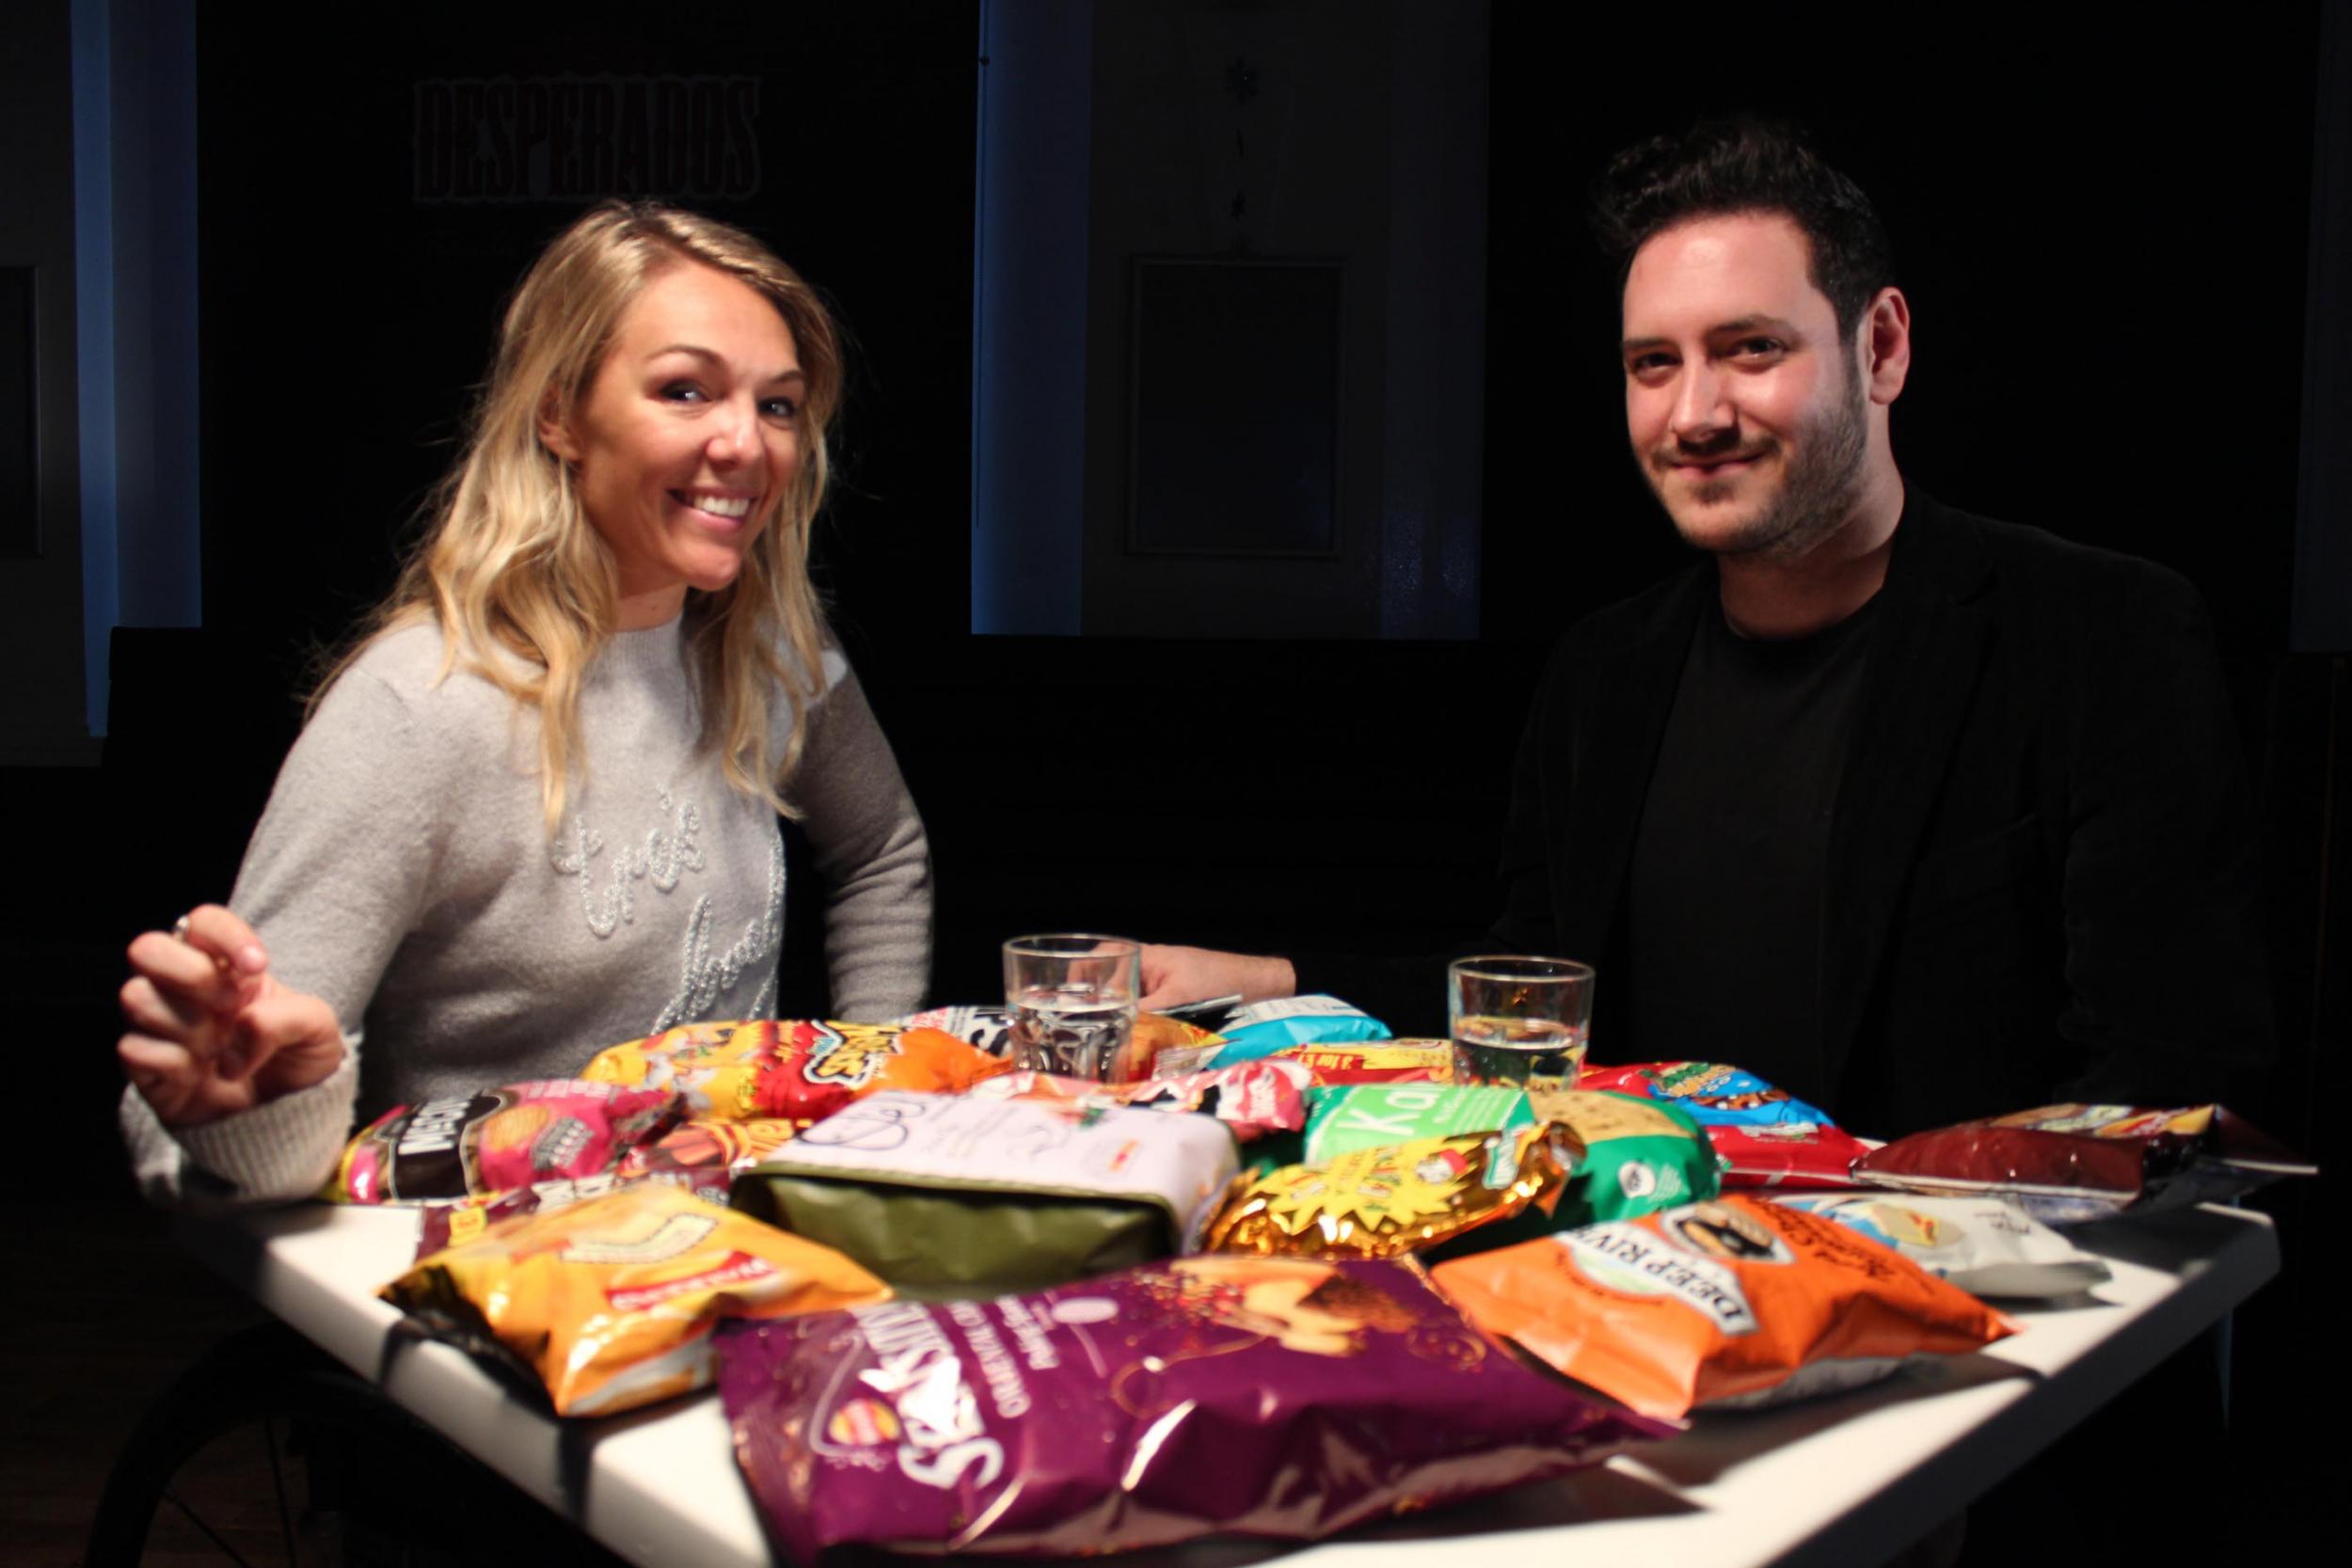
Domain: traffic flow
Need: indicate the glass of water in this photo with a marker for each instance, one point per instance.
(1073, 1002)
(1519, 1020)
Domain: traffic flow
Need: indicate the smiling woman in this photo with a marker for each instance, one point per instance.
(534, 811)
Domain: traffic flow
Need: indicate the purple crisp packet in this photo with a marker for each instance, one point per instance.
(1262, 1396)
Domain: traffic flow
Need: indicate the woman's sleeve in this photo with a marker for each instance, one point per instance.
(871, 851)
(335, 877)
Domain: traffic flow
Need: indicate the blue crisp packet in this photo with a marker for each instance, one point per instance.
(1263, 1028)
(1714, 1094)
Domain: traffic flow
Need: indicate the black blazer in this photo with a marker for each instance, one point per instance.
(2042, 882)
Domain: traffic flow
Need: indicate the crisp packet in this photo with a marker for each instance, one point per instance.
(697, 1146)
(2066, 1164)
(1372, 1062)
(955, 1194)
(1264, 1027)
(1270, 1397)
(1763, 1137)
(495, 1141)
(609, 1304)
(1731, 1301)
(993, 1030)
(1383, 1201)
(1987, 1247)
(988, 1028)
(1714, 1094)
(796, 1069)
(1345, 1116)
(466, 1219)
(1251, 1100)
(1632, 1156)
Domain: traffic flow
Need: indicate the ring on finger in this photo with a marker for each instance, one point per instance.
(179, 930)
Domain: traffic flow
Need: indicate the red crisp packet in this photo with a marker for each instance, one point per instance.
(800, 1071)
(2066, 1164)
(496, 1141)
(1786, 1156)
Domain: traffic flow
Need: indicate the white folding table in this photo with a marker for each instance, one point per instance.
(1849, 1479)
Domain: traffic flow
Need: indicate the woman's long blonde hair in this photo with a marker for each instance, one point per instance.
(511, 565)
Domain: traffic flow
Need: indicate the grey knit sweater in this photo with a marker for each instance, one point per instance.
(403, 873)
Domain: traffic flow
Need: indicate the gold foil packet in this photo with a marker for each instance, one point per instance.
(1385, 1201)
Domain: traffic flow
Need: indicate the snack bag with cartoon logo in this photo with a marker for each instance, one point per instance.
(1987, 1247)
(496, 1141)
(1271, 1397)
(1763, 1137)
(609, 1303)
(1731, 1302)
(800, 1071)
(1392, 1199)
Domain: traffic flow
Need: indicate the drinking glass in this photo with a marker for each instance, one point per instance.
(1519, 1019)
(1073, 1002)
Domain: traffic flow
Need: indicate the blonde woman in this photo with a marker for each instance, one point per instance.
(535, 812)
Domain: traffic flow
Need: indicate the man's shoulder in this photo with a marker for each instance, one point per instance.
(2037, 567)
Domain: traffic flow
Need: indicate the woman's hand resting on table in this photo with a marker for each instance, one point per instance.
(1174, 975)
(211, 1031)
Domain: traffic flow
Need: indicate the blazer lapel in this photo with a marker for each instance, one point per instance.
(1621, 723)
(1931, 642)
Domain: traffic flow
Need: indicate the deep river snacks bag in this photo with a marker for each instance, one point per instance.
(1736, 1300)
(796, 1069)
(1261, 1396)
(953, 1194)
(1987, 1247)
(1763, 1137)
(2066, 1164)
(609, 1303)
(496, 1141)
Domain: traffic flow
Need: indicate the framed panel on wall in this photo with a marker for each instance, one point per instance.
(1234, 407)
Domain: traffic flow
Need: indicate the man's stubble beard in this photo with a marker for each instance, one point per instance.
(1818, 489)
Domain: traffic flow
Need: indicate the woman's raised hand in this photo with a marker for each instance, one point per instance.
(211, 1031)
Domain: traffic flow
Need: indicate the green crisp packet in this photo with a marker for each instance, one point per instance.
(1633, 1157)
(1639, 1155)
(1343, 1118)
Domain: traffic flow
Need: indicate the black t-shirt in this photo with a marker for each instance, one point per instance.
(1724, 915)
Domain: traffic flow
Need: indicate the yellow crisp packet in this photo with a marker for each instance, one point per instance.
(609, 1303)
(1383, 1201)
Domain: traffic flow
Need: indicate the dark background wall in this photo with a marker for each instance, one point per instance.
(2102, 223)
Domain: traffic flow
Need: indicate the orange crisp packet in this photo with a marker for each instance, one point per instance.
(609, 1303)
(797, 1069)
(1736, 1301)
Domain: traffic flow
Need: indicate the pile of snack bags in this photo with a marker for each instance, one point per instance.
(1290, 1277)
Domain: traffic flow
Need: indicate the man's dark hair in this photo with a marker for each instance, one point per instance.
(1720, 166)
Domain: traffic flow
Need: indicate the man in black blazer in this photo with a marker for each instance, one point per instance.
(1916, 814)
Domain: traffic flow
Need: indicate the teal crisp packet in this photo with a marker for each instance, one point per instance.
(1341, 1118)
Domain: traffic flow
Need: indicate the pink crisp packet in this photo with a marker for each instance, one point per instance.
(496, 1140)
(1251, 1100)
(1276, 1397)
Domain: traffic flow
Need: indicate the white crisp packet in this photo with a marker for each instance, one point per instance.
(1987, 1247)
(988, 1028)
